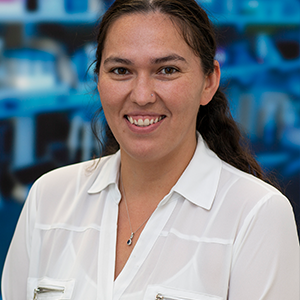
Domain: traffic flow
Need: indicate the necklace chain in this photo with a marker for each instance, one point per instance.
(129, 242)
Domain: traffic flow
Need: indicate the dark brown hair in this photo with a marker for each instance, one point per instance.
(214, 120)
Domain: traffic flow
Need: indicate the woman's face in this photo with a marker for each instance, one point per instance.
(151, 85)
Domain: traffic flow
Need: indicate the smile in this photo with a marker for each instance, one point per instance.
(144, 122)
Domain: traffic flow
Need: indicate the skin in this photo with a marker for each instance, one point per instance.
(149, 74)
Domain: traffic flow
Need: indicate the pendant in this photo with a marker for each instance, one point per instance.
(129, 242)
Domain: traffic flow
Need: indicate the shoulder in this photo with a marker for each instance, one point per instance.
(247, 196)
(75, 176)
(62, 191)
(253, 209)
(67, 174)
(245, 184)
(251, 199)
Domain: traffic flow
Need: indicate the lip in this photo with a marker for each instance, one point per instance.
(155, 121)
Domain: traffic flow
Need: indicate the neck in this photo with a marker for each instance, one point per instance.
(151, 181)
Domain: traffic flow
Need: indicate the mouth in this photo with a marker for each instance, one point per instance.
(145, 121)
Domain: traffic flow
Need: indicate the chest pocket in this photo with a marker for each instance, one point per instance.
(49, 289)
(157, 292)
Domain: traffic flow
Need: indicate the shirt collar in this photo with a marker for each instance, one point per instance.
(108, 173)
(198, 183)
(200, 180)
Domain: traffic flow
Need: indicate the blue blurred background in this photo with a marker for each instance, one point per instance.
(47, 93)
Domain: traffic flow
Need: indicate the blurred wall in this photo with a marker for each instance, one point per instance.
(47, 94)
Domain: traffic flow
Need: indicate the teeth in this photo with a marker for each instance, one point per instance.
(144, 123)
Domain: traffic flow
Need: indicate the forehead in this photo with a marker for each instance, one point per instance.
(145, 32)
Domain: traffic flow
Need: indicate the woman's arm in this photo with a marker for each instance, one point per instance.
(16, 267)
(266, 254)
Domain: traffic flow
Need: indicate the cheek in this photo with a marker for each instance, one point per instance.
(183, 96)
(107, 103)
(109, 99)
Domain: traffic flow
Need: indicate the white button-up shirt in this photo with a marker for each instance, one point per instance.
(219, 234)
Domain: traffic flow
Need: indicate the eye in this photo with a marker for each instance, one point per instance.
(168, 70)
(120, 71)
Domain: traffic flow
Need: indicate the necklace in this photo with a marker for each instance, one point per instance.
(129, 242)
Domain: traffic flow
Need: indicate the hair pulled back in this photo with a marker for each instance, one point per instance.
(214, 120)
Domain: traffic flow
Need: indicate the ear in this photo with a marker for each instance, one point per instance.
(212, 82)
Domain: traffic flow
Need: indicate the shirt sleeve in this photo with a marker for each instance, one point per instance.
(16, 267)
(265, 262)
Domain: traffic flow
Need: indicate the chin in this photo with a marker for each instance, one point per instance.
(143, 154)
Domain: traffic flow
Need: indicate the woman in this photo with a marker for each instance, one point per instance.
(174, 214)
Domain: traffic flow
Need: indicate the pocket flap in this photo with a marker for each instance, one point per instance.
(166, 293)
(53, 288)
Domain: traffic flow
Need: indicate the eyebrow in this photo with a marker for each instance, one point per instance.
(118, 60)
(154, 61)
(172, 57)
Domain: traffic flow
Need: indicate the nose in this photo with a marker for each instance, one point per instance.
(143, 90)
